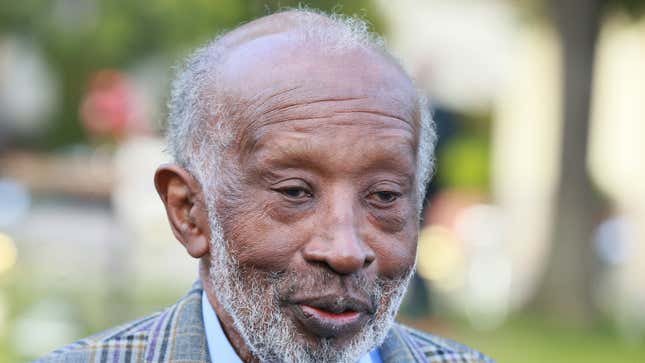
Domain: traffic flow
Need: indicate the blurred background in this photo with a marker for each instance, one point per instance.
(533, 242)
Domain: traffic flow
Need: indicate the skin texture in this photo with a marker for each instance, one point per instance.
(320, 178)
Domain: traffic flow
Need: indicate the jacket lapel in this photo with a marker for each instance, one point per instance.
(398, 348)
(178, 333)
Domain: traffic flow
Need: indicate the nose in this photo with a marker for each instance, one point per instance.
(338, 242)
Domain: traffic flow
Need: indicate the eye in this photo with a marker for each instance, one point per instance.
(294, 190)
(386, 197)
(295, 193)
(383, 198)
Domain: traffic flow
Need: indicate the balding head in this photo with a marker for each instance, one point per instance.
(205, 106)
(311, 149)
(331, 32)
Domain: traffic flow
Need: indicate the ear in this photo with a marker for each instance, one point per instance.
(185, 205)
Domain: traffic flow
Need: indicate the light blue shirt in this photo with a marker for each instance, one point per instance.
(217, 341)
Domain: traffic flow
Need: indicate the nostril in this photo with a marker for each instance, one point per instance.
(367, 263)
(369, 257)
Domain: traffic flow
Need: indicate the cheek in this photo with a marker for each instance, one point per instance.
(391, 222)
(396, 253)
(394, 239)
(261, 234)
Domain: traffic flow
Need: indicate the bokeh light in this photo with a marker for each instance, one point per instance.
(8, 253)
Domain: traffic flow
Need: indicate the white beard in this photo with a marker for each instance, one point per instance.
(267, 332)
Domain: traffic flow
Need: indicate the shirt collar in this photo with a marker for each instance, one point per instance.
(219, 347)
(215, 337)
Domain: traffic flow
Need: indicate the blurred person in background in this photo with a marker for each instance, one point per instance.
(302, 151)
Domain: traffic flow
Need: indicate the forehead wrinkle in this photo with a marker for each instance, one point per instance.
(299, 151)
(306, 123)
(405, 122)
(267, 110)
(279, 107)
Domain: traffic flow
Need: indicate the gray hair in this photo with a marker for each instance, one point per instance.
(196, 133)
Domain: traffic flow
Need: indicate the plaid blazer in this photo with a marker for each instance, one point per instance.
(177, 335)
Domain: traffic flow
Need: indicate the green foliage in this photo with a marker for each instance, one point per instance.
(535, 9)
(538, 339)
(535, 340)
(465, 163)
(78, 38)
(635, 8)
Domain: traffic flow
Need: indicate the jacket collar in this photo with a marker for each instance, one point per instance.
(178, 333)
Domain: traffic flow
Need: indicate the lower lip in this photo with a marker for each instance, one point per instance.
(326, 324)
(339, 318)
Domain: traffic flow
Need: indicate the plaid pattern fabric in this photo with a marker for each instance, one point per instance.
(406, 345)
(177, 335)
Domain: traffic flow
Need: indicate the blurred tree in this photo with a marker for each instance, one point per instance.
(81, 37)
(566, 288)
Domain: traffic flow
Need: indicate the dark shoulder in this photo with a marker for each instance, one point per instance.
(126, 341)
(436, 349)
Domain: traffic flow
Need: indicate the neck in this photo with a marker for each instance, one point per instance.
(236, 340)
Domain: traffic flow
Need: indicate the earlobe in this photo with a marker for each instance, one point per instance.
(183, 199)
(198, 247)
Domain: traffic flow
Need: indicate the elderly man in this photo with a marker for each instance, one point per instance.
(302, 151)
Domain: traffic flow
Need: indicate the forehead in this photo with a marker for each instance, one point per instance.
(282, 83)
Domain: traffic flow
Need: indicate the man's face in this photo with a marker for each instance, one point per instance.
(318, 208)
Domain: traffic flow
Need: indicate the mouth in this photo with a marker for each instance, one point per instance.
(329, 317)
